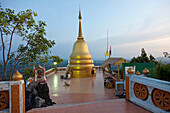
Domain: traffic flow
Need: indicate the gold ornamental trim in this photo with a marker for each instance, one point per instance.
(17, 76)
(80, 63)
(80, 69)
(137, 73)
(80, 39)
(80, 58)
(130, 71)
(145, 71)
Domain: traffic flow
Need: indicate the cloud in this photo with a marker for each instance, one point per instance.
(151, 34)
(154, 42)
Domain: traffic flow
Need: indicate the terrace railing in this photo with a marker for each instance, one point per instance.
(149, 93)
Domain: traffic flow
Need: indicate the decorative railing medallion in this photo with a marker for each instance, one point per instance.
(161, 99)
(141, 91)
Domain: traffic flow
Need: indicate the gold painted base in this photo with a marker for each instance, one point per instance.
(82, 74)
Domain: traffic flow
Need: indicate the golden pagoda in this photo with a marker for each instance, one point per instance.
(80, 63)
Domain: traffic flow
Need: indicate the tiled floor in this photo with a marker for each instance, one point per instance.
(107, 106)
(81, 90)
(85, 95)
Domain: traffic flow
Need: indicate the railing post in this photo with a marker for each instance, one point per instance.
(130, 71)
(17, 96)
(127, 87)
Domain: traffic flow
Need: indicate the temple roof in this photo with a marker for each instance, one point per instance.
(114, 61)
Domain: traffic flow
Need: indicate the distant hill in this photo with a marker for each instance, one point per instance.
(49, 66)
(164, 60)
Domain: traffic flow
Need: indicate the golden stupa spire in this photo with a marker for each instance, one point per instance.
(80, 36)
(80, 63)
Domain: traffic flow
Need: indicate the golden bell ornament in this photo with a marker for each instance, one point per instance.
(137, 73)
(145, 71)
(17, 76)
(130, 71)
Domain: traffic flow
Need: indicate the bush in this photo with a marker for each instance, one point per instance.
(162, 71)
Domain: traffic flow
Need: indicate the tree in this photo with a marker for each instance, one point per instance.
(28, 72)
(151, 58)
(143, 58)
(165, 54)
(34, 47)
(133, 60)
(56, 61)
(162, 71)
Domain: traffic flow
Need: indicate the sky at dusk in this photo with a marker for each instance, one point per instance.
(131, 25)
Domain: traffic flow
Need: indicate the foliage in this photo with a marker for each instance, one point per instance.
(166, 54)
(162, 71)
(57, 60)
(143, 58)
(34, 48)
(28, 72)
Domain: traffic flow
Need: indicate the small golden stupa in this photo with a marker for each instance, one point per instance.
(80, 63)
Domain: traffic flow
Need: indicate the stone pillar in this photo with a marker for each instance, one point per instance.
(17, 96)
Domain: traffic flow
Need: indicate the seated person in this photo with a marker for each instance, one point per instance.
(67, 73)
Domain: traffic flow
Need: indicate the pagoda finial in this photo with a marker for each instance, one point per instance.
(80, 36)
(80, 13)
